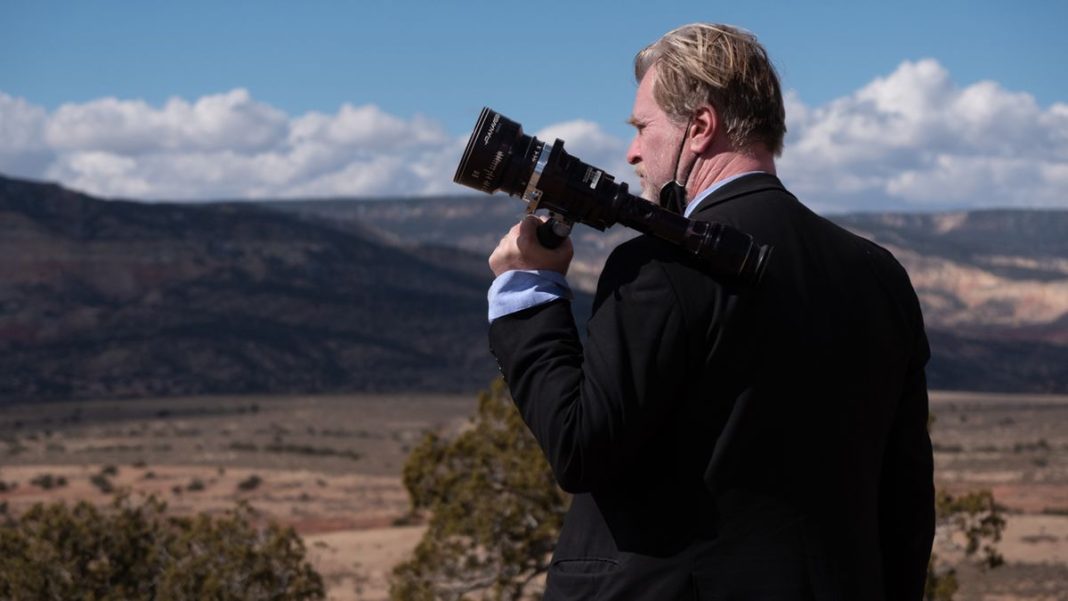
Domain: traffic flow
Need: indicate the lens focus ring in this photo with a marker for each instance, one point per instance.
(532, 194)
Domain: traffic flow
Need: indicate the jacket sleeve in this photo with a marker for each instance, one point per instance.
(591, 409)
(906, 503)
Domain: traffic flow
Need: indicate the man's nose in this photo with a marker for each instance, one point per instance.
(634, 155)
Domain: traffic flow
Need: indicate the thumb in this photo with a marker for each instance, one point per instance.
(530, 224)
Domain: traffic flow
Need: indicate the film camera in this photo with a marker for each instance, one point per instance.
(500, 157)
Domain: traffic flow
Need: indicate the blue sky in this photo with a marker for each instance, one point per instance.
(422, 70)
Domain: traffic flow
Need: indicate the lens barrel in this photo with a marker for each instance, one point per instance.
(499, 156)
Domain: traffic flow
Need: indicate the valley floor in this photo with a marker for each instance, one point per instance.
(330, 467)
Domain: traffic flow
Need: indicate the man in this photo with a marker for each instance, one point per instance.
(724, 441)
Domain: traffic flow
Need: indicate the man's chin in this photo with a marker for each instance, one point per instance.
(650, 192)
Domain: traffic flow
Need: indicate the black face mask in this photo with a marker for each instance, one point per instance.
(673, 194)
(673, 197)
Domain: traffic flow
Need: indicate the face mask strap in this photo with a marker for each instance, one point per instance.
(673, 193)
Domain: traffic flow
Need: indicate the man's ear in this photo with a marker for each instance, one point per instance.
(704, 128)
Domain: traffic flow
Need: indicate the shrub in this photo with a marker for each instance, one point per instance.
(250, 483)
(132, 551)
(979, 519)
(48, 481)
(304, 449)
(102, 483)
(14, 447)
(495, 510)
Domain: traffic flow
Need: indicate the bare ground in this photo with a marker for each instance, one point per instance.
(330, 467)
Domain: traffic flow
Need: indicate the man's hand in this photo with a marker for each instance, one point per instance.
(520, 249)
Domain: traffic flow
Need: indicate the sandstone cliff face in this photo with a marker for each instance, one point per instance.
(970, 298)
(997, 274)
(994, 290)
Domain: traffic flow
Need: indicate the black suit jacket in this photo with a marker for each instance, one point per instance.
(734, 443)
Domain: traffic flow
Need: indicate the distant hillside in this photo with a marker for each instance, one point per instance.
(109, 298)
(993, 283)
(472, 222)
(117, 299)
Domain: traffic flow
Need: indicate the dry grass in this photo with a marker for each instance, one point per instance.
(330, 467)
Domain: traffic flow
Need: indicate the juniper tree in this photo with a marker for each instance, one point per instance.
(494, 509)
(133, 551)
(976, 517)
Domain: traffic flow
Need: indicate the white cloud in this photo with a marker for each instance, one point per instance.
(225, 146)
(366, 127)
(910, 140)
(591, 144)
(230, 121)
(229, 146)
(915, 140)
(22, 147)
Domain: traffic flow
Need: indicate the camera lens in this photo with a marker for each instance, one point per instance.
(498, 156)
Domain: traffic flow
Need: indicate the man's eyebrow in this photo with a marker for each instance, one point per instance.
(632, 120)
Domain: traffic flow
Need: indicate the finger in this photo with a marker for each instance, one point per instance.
(528, 226)
(503, 241)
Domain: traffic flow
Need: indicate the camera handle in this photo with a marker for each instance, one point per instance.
(553, 232)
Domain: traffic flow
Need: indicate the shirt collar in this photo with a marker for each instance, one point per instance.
(709, 190)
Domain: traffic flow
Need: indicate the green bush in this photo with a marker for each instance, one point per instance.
(132, 551)
(102, 483)
(48, 481)
(977, 517)
(303, 449)
(495, 510)
(251, 483)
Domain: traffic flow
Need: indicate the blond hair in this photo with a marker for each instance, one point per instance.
(722, 66)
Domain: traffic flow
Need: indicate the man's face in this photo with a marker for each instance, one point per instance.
(656, 142)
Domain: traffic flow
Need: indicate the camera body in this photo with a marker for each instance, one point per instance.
(499, 156)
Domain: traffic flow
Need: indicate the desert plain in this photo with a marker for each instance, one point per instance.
(330, 467)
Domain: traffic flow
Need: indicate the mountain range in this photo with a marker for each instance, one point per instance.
(993, 283)
(115, 298)
(120, 299)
